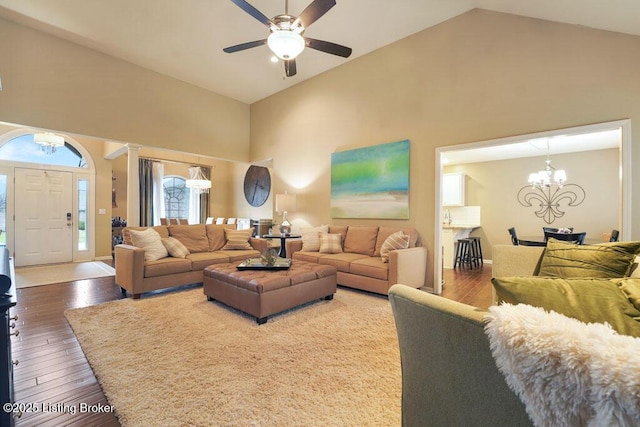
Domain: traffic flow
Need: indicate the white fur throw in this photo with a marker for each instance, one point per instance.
(566, 372)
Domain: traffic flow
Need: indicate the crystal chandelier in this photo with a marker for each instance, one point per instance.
(549, 176)
(48, 142)
(198, 182)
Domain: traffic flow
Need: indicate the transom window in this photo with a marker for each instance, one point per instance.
(176, 197)
(24, 149)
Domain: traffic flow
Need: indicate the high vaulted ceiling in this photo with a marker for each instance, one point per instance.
(184, 38)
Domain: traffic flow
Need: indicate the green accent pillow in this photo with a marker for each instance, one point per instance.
(591, 300)
(564, 259)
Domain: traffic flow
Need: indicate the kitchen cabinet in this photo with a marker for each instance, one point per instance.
(453, 189)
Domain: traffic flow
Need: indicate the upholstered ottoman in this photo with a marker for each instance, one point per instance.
(262, 293)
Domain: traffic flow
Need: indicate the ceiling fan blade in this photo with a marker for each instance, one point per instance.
(328, 47)
(243, 46)
(313, 12)
(253, 12)
(290, 67)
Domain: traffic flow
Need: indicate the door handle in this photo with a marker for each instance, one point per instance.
(69, 219)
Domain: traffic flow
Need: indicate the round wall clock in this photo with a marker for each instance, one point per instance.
(257, 185)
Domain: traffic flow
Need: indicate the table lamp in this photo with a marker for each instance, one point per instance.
(285, 203)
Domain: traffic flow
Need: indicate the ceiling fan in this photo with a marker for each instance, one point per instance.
(286, 40)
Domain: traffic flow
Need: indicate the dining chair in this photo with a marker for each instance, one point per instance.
(231, 221)
(615, 235)
(209, 220)
(163, 221)
(567, 237)
(173, 221)
(520, 242)
(183, 221)
(219, 221)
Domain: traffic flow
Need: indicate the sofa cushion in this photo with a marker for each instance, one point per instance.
(361, 240)
(340, 261)
(395, 241)
(311, 237)
(174, 247)
(385, 232)
(339, 229)
(202, 260)
(370, 267)
(165, 266)
(151, 242)
(237, 239)
(216, 236)
(330, 243)
(596, 300)
(307, 256)
(239, 254)
(162, 230)
(194, 237)
(563, 259)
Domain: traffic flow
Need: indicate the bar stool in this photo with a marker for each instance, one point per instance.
(477, 251)
(463, 254)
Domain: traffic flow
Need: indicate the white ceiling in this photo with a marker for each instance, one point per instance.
(535, 147)
(184, 38)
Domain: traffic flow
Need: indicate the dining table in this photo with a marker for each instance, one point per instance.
(539, 240)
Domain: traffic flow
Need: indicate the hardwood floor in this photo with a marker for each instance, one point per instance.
(54, 372)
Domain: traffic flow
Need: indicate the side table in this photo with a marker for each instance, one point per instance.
(283, 238)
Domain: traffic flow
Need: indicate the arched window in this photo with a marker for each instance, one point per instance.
(24, 149)
(176, 197)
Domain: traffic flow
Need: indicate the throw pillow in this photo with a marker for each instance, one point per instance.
(311, 237)
(151, 242)
(397, 240)
(330, 243)
(175, 248)
(591, 300)
(237, 239)
(563, 259)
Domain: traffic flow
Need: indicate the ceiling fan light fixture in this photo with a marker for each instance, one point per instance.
(285, 44)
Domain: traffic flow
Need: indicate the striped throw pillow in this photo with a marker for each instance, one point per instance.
(237, 239)
(175, 248)
(330, 243)
(397, 240)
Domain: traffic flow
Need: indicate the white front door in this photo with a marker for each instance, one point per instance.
(43, 216)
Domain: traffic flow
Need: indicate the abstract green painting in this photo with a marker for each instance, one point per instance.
(371, 182)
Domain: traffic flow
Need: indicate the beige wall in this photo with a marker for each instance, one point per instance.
(58, 85)
(479, 76)
(494, 187)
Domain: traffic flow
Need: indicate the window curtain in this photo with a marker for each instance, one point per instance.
(198, 203)
(151, 192)
(145, 167)
(158, 192)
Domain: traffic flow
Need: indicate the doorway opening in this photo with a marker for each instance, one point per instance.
(499, 147)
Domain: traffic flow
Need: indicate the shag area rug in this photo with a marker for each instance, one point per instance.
(60, 273)
(178, 359)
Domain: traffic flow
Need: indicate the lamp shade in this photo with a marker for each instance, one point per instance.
(285, 202)
(285, 44)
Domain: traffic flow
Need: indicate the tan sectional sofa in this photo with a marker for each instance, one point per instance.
(360, 264)
(205, 243)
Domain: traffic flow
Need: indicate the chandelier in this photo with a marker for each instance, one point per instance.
(549, 176)
(198, 182)
(48, 142)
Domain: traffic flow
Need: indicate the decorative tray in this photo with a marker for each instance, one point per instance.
(257, 264)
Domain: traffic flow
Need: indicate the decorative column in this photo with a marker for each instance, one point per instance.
(133, 186)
